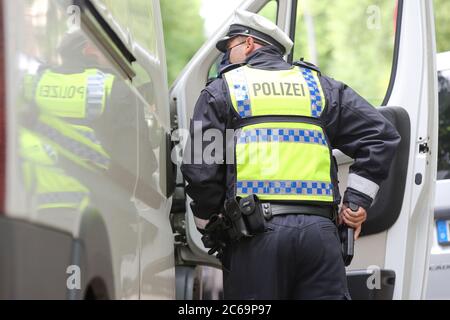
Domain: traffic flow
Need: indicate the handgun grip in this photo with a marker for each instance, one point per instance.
(354, 208)
(348, 238)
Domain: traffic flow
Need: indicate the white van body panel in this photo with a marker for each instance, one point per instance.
(439, 270)
(415, 89)
(138, 229)
(403, 248)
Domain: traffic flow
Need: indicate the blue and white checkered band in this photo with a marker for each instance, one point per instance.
(282, 135)
(316, 97)
(75, 147)
(285, 187)
(241, 93)
(89, 134)
(95, 93)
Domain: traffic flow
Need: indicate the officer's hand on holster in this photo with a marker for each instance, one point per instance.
(215, 236)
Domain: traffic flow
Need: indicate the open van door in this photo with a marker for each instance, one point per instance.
(391, 257)
(439, 270)
(397, 233)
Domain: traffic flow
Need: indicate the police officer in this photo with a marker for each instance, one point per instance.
(71, 99)
(302, 115)
(80, 114)
(105, 115)
(62, 106)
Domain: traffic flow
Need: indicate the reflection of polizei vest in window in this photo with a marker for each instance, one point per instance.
(68, 102)
(49, 185)
(281, 150)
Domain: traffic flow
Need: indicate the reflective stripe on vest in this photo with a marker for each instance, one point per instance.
(61, 200)
(48, 183)
(287, 159)
(88, 133)
(67, 139)
(282, 135)
(55, 189)
(76, 96)
(34, 152)
(32, 148)
(288, 187)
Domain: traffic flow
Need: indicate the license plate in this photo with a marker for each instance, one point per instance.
(443, 232)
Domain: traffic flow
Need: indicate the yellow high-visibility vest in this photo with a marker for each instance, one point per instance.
(49, 185)
(76, 95)
(62, 98)
(282, 152)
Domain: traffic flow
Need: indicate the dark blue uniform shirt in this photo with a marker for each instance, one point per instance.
(352, 125)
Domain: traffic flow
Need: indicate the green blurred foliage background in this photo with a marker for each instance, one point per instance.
(349, 46)
(442, 18)
(183, 33)
(350, 40)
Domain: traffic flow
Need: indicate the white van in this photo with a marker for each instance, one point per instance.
(86, 174)
(91, 206)
(439, 269)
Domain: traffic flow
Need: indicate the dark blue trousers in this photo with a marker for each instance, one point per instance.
(298, 257)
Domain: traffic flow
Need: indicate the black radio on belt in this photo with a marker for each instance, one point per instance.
(238, 228)
(253, 216)
(246, 217)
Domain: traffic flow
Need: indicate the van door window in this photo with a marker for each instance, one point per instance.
(442, 23)
(270, 10)
(350, 40)
(444, 125)
(131, 16)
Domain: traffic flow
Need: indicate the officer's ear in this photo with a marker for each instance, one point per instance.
(249, 46)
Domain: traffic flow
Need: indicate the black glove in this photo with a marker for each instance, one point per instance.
(215, 235)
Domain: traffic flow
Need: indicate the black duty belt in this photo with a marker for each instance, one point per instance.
(271, 209)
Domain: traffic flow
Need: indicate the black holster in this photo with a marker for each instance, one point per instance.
(253, 215)
(238, 228)
(245, 216)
